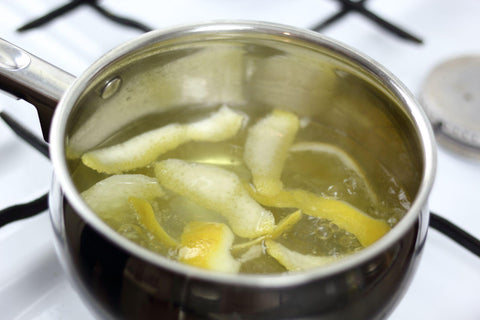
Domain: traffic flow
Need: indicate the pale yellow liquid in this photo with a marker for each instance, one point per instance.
(320, 173)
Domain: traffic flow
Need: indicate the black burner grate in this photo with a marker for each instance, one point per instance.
(67, 8)
(346, 6)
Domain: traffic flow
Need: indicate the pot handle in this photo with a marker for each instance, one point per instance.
(32, 79)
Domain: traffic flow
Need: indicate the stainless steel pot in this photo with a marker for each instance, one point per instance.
(243, 64)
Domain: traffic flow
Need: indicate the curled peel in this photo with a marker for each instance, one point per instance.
(365, 228)
(217, 189)
(284, 225)
(294, 261)
(146, 217)
(207, 245)
(113, 192)
(346, 160)
(266, 149)
(220, 126)
(145, 148)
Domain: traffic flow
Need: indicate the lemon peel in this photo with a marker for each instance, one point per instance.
(294, 261)
(365, 228)
(253, 252)
(266, 149)
(285, 224)
(247, 244)
(207, 245)
(216, 189)
(146, 217)
(145, 148)
(344, 157)
(220, 126)
(111, 194)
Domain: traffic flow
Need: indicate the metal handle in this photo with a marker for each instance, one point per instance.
(32, 79)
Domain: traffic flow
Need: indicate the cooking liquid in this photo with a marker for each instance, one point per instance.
(317, 172)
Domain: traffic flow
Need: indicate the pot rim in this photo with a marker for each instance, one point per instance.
(424, 131)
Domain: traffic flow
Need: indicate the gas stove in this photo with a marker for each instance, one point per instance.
(32, 283)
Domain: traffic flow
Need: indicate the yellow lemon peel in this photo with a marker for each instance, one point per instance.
(253, 252)
(108, 198)
(207, 245)
(145, 148)
(146, 217)
(344, 157)
(266, 149)
(247, 244)
(111, 194)
(294, 261)
(217, 189)
(285, 224)
(365, 228)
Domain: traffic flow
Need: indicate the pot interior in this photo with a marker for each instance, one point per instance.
(342, 98)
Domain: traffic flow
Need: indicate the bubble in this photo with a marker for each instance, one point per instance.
(392, 221)
(334, 227)
(350, 185)
(133, 233)
(404, 202)
(347, 240)
(334, 252)
(172, 253)
(323, 232)
(332, 191)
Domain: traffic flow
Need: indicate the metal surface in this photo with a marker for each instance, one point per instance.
(116, 284)
(27, 77)
(451, 96)
(415, 146)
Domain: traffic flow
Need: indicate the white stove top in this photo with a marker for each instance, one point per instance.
(32, 284)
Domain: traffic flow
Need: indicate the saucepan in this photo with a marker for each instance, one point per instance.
(242, 64)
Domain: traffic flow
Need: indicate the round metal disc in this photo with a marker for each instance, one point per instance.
(451, 97)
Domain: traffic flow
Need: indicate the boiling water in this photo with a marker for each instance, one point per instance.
(375, 193)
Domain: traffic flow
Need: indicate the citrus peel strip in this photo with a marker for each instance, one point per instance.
(247, 244)
(285, 224)
(145, 148)
(111, 194)
(344, 157)
(207, 245)
(217, 189)
(365, 228)
(294, 261)
(146, 217)
(266, 149)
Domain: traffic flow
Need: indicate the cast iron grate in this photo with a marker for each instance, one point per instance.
(72, 5)
(346, 7)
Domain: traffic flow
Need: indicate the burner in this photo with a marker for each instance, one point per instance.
(451, 96)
